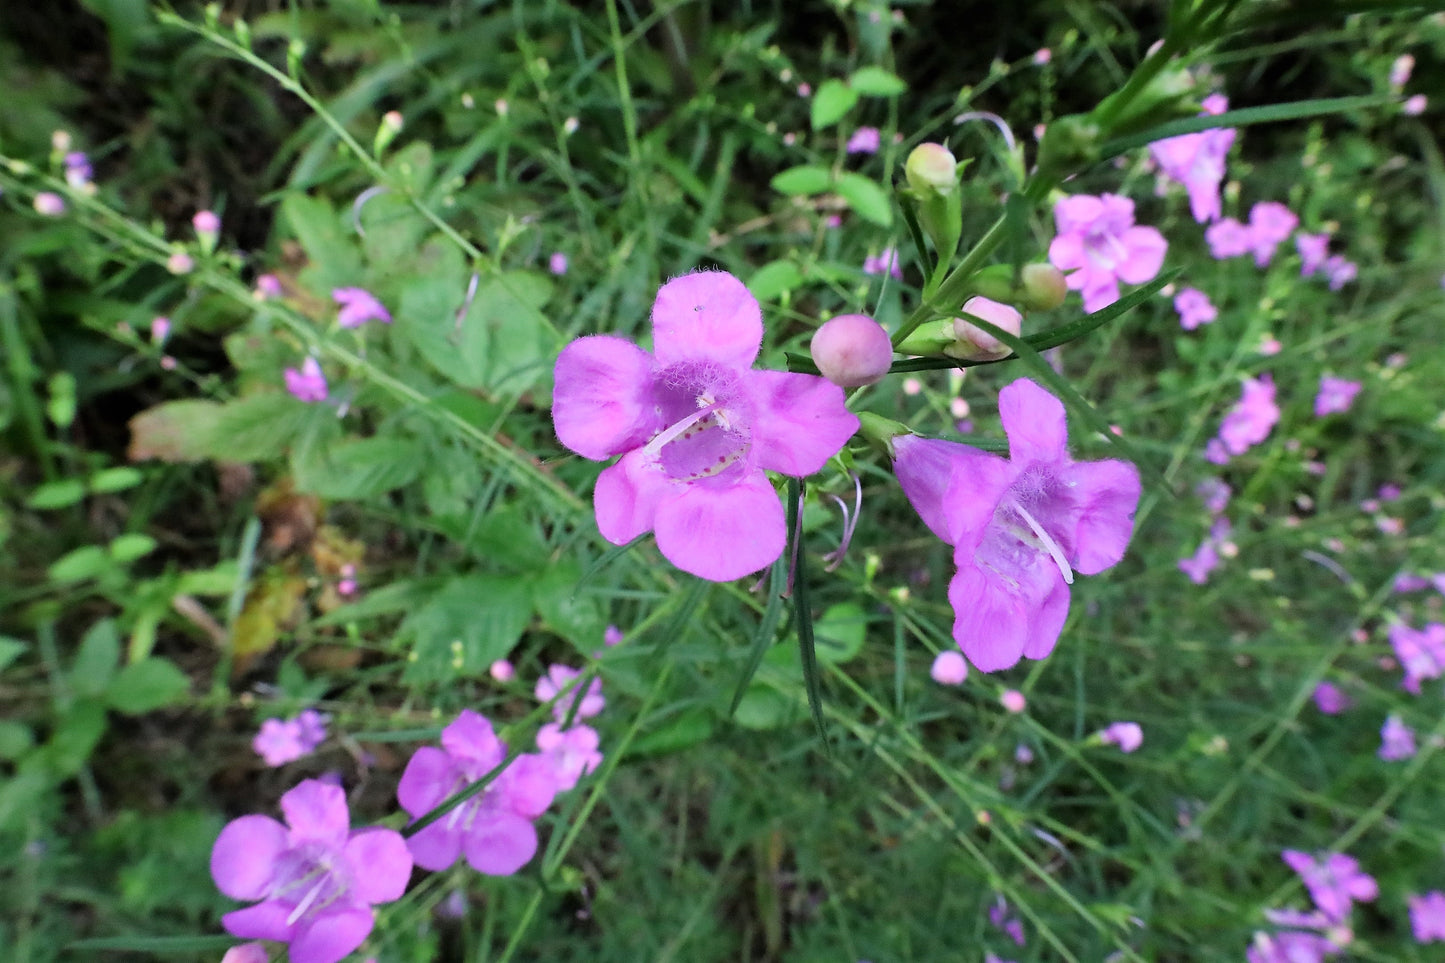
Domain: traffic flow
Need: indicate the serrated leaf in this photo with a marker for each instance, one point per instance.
(176, 431)
(802, 180)
(469, 623)
(877, 82)
(866, 198)
(831, 101)
(145, 686)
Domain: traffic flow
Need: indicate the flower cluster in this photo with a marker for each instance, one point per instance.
(281, 741)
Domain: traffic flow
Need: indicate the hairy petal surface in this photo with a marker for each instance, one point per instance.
(723, 533)
(707, 315)
(602, 404)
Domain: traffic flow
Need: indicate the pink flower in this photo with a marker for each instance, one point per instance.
(308, 384)
(1397, 740)
(1100, 244)
(1215, 494)
(976, 344)
(1270, 222)
(1421, 652)
(558, 678)
(949, 668)
(1335, 395)
(268, 287)
(1334, 882)
(1414, 106)
(1427, 917)
(851, 350)
(160, 330)
(247, 953)
(279, 742)
(1228, 238)
(1128, 736)
(1400, 70)
(358, 306)
(611, 635)
(865, 140)
(315, 879)
(697, 428)
(1330, 699)
(1252, 418)
(1313, 249)
(1204, 560)
(48, 204)
(1194, 308)
(493, 829)
(571, 752)
(1290, 947)
(885, 263)
(557, 263)
(1197, 161)
(1020, 526)
(1013, 701)
(206, 223)
(1340, 271)
(502, 671)
(1042, 56)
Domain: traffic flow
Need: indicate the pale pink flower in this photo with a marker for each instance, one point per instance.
(1313, 249)
(865, 140)
(49, 204)
(1250, 421)
(1099, 244)
(358, 306)
(1128, 736)
(557, 263)
(1400, 70)
(1194, 308)
(1397, 740)
(1270, 222)
(1013, 701)
(1228, 238)
(1427, 917)
(1414, 106)
(307, 384)
(949, 668)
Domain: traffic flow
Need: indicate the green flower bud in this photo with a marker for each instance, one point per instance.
(931, 168)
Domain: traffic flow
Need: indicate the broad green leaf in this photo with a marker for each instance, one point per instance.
(411, 168)
(21, 794)
(359, 468)
(77, 565)
(131, 546)
(394, 231)
(866, 198)
(841, 632)
(683, 731)
(468, 624)
(334, 261)
(96, 659)
(576, 616)
(877, 82)
(57, 494)
(773, 279)
(259, 427)
(832, 100)
(803, 180)
(176, 431)
(146, 685)
(764, 707)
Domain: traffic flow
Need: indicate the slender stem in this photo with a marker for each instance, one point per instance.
(955, 284)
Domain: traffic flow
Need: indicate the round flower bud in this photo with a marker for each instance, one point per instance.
(931, 168)
(852, 350)
(975, 344)
(1044, 286)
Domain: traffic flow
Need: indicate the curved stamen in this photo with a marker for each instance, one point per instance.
(850, 523)
(655, 446)
(307, 900)
(1047, 543)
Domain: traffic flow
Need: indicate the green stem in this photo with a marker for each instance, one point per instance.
(953, 286)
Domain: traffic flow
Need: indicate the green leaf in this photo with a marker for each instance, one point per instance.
(131, 546)
(773, 279)
(764, 707)
(259, 427)
(77, 565)
(832, 100)
(877, 82)
(10, 649)
(803, 610)
(685, 730)
(15, 739)
(577, 617)
(21, 795)
(767, 631)
(334, 261)
(469, 623)
(146, 685)
(74, 739)
(802, 180)
(176, 431)
(866, 198)
(841, 632)
(96, 659)
(115, 480)
(57, 494)
(358, 468)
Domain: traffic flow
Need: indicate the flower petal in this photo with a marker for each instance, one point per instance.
(1145, 247)
(437, 846)
(924, 467)
(332, 935)
(1066, 251)
(528, 785)
(989, 624)
(317, 811)
(381, 865)
(244, 857)
(626, 498)
(264, 921)
(706, 316)
(799, 421)
(1047, 620)
(1108, 493)
(978, 483)
(500, 844)
(427, 780)
(602, 403)
(470, 736)
(1035, 424)
(722, 533)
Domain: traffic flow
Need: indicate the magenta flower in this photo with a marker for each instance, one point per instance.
(1270, 222)
(885, 263)
(1099, 243)
(1400, 70)
(949, 668)
(1204, 560)
(493, 829)
(558, 678)
(1334, 882)
(315, 879)
(1128, 736)
(308, 384)
(1313, 249)
(1252, 418)
(1291, 947)
(1019, 526)
(1194, 308)
(1215, 493)
(279, 742)
(697, 428)
(1427, 917)
(571, 753)
(1397, 740)
(865, 140)
(1335, 395)
(557, 263)
(1330, 699)
(1197, 161)
(358, 306)
(1000, 917)
(1228, 238)
(1340, 271)
(1421, 653)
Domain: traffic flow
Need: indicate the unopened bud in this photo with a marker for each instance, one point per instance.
(1044, 287)
(975, 344)
(386, 131)
(852, 350)
(931, 168)
(49, 204)
(60, 141)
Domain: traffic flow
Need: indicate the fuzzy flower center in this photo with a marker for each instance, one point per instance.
(310, 877)
(706, 414)
(1019, 534)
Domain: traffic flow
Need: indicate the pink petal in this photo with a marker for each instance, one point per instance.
(1110, 493)
(990, 625)
(924, 467)
(437, 846)
(264, 921)
(1146, 247)
(427, 780)
(381, 865)
(602, 403)
(1047, 621)
(331, 936)
(1035, 424)
(722, 533)
(1066, 251)
(706, 316)
(978, 483)
(244, 856)
(470, 736)
(501, 846)
(1077, 212)
(528, 785)
(317, 811)
(801, 421)
(626, 498)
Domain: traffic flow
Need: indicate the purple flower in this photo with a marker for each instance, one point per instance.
(1100, 244)
(1421, 652)
(1252, 418)
(358, 306)
(1313, 249)
(697, 428)
(1215, 494)
(1019, 526)
(279, 742)
(1330, 699)
(1204, 560)
(1427, 917)
(560, 677)
(557, 263)
(1270, 222)
(885, 263)
(1290, 947)
(315, 879)
(1400, 70)
(1000, 917)
(865, 140)
(493, 828)
(1228, 238)
(949, 668)
(1194, 308)
(1340, 271)
(1128, 736)
(1335, 395)
(268, 287)
(572, 753)
(78, 171)
(1197, 161)
(1334, 882)
(1397, 740)
(308, 384)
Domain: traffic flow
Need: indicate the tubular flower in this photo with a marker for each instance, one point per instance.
(697, 428)
(1020, 526)
(1100, 245)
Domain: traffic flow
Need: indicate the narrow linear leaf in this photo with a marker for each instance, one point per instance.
(1243, 117)
(767, 630)
(806, 644)
(606, 560)
(156, 944)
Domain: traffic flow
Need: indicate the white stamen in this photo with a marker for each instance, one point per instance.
(1047, 543)
(306, 901)
(655, 446)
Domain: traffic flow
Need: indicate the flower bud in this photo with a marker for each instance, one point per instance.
(931, 168)
(208, 227)
(852, 350)
(1044, 287)
(975, 344)
(49, 204)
